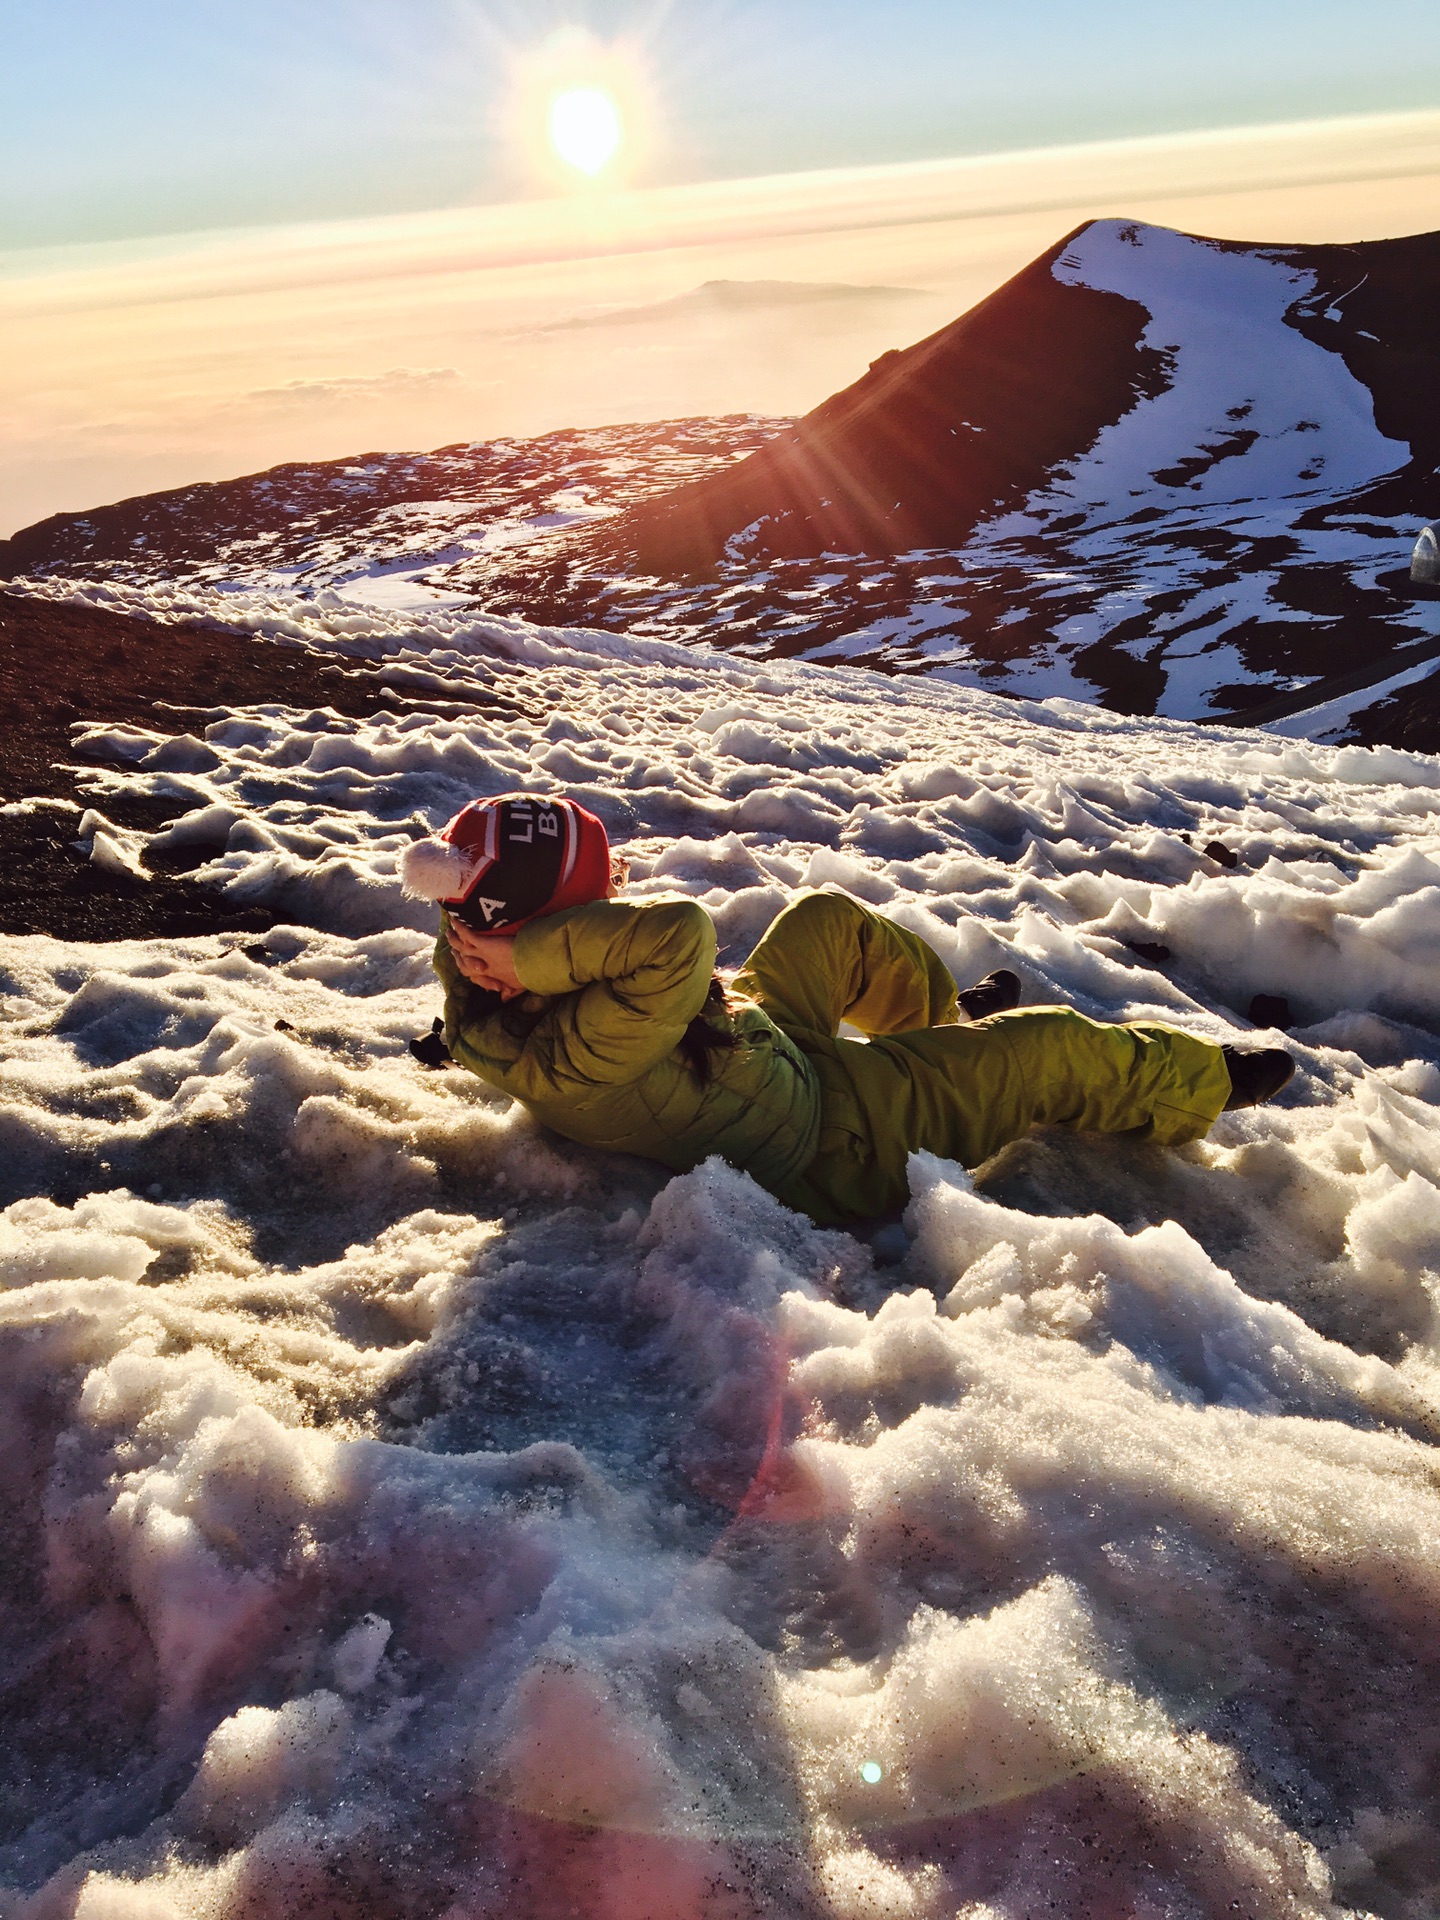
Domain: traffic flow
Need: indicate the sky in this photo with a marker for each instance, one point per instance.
(158, 116)
(232, 234)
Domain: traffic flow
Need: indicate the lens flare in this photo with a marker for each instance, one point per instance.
(585, 128)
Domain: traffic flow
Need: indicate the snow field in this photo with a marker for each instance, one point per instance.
(1258, 410)
(414, 1515)
(1190, 501)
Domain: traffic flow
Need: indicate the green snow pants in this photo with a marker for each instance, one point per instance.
(921, 1082)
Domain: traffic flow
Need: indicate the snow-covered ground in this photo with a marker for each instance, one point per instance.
(409, 1514)
(391, 528)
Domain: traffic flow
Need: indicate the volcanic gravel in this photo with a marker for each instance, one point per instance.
(63, 665)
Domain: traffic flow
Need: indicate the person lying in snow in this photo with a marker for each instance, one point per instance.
(607, 1020)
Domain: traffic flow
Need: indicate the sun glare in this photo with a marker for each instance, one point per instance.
(580, 113)
(585, 128)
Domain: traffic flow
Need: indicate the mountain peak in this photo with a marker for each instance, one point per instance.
(1239, 372)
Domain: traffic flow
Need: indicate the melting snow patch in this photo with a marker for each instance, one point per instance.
(411, 1514)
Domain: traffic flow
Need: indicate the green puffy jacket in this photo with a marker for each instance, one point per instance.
(593, 1049)
(827, 1123)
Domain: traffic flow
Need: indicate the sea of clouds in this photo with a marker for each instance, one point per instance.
(411, 1514)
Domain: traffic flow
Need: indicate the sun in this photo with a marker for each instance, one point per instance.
(585, 128)
(579, 113)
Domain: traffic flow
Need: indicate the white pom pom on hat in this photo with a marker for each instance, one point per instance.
(432, 869)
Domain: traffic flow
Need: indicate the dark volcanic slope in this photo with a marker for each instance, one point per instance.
(1180, 475)
(61, 665)
(994, 407)
(1377, 305)
(930, 440)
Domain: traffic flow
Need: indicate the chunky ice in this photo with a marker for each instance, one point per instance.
(409, 1514)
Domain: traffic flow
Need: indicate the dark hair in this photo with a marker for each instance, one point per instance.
(702, 1040)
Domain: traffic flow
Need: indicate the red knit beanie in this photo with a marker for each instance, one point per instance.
(502, 862)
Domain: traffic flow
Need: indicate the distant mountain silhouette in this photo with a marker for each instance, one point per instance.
(735, 299)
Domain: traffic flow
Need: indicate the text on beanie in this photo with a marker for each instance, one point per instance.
(502, 862)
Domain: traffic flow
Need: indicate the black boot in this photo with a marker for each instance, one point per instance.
(430, 1049)
(996, 993)
(1256, 1075)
